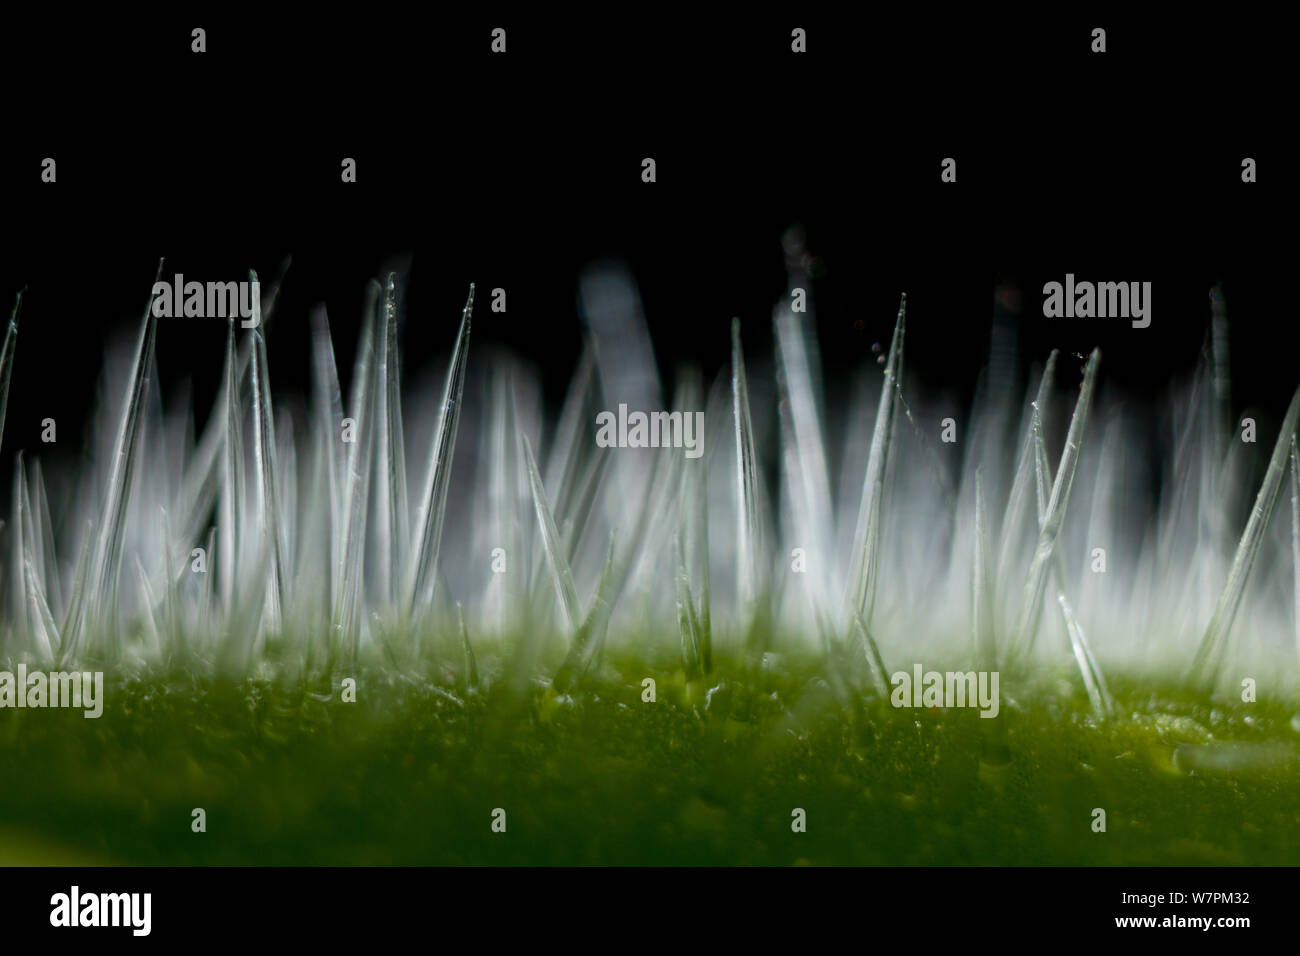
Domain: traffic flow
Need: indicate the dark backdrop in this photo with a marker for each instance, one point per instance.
(517, 171)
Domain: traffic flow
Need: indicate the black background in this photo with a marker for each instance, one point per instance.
(1012, 906)
(519, 170)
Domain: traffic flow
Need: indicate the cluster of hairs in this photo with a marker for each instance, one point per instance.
(312, 538)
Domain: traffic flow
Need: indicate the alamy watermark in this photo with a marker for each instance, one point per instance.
(1098, 300)
(207, 300)
(74, 908)
(651, 430)
(924, 688)
(76, 689)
